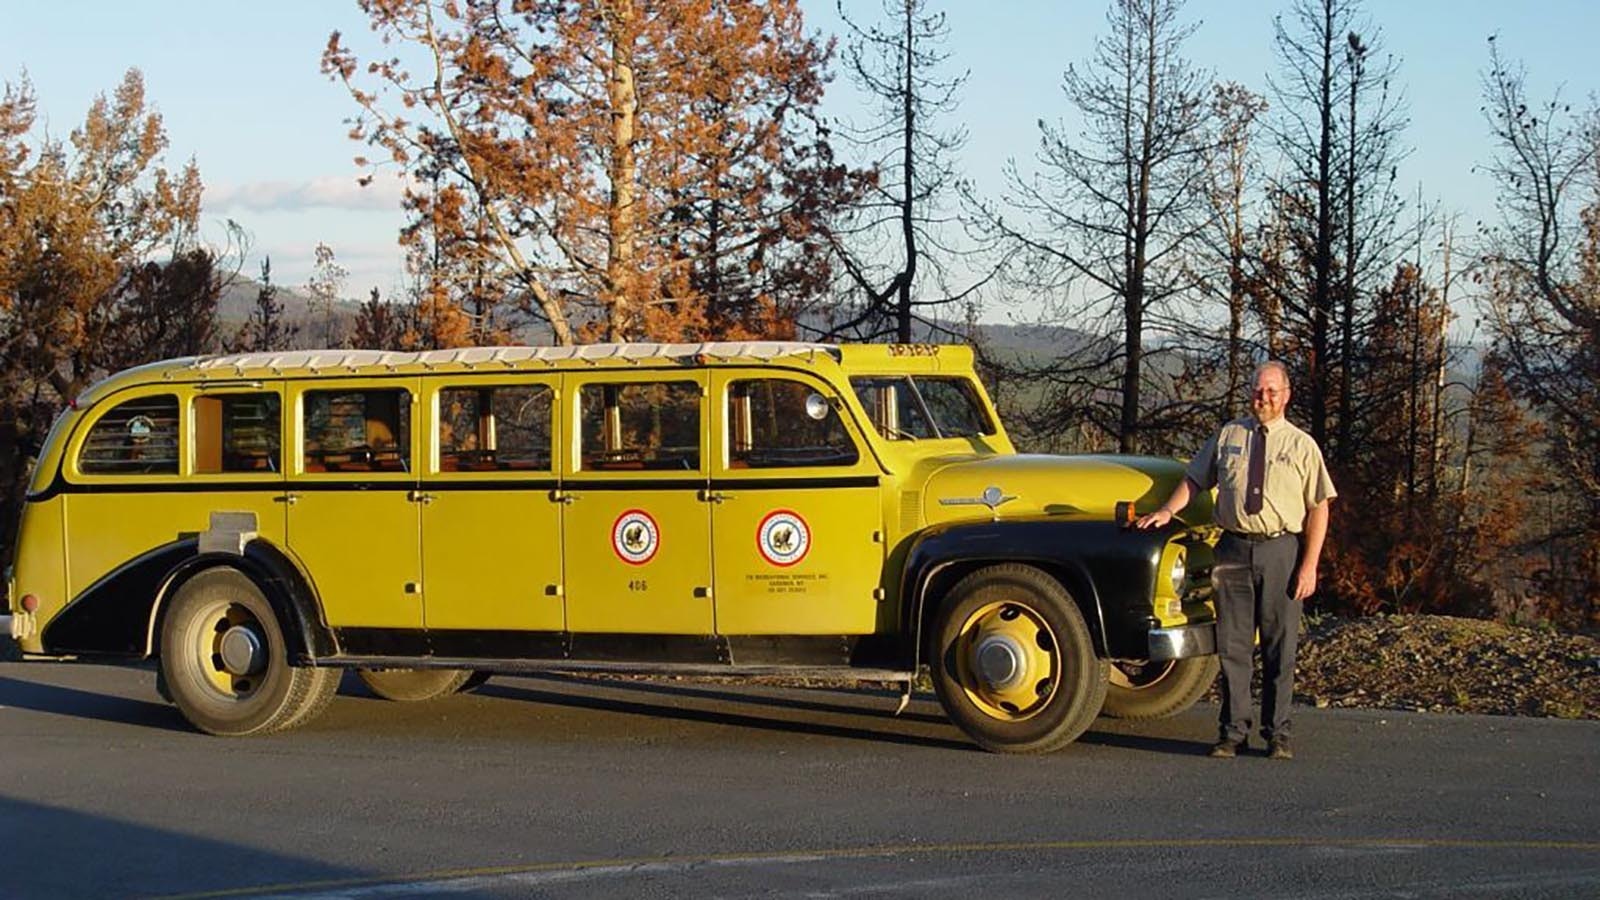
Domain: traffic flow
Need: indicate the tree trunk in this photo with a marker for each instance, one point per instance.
(1347, 305)
(1321, 302)
(622, 225)
(1138, 263)
(907, 224)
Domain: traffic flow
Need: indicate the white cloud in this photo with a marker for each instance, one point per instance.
(324, 192)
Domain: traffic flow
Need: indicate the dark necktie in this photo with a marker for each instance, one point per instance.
(1257, 473)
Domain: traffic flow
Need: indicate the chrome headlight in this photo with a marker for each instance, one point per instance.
(1178, 573)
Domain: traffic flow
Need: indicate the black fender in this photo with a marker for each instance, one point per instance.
(285, 586)
(120, 614)
(1109, 569)
(111, 617)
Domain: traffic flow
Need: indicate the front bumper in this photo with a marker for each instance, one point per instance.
(1182, 642)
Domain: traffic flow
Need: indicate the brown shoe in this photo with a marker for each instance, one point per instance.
(1226, 749)
(1278, 748)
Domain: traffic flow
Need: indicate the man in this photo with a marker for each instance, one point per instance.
(1272, 504)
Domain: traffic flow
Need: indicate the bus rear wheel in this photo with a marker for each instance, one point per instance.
(1013, 661)
(414, 684)
(225, 662)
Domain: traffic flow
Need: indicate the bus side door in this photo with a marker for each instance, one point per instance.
(637, 532)
(353, 500)
(796, 509)
(491, 528)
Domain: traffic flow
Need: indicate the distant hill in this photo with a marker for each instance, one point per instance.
(1017, 343)
(1008, 343)
(238, 301)
(313, 329)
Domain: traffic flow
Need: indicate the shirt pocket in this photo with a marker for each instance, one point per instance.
(1231, 468)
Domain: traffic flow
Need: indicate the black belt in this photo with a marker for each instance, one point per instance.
(1256, 537)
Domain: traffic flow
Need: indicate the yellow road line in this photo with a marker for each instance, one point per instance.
(894, 850)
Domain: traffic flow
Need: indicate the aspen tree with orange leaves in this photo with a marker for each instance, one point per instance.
(100, 267)
(619, 169)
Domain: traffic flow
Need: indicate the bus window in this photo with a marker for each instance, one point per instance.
(496, 428)
(137, 437)
(357, 431)
(778, 423)
(237, 433)
(634, 425)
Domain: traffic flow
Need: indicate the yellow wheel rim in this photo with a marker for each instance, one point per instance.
(1007, 660)
(230, 649)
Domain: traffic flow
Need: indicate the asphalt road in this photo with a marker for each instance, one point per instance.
(557, 787)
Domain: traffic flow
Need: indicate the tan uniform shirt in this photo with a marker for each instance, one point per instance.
(1296, 477)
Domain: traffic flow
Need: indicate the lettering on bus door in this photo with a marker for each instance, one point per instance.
(796, 513)
(637, 531)
(490, 525)
(353, 503)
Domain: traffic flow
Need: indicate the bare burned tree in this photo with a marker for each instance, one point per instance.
(1105, 225)
(1542, 268)
(1231, 181)
(1372, 242)
(893, 246)
(1337, 132)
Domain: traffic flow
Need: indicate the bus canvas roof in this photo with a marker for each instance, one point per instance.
(231, 367)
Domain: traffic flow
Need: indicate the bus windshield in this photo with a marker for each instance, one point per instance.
(917, 407)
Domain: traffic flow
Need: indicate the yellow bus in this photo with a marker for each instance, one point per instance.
(259, 523)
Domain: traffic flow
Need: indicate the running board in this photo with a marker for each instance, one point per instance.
(827, 674)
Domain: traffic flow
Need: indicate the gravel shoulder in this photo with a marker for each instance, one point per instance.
(1447, 664)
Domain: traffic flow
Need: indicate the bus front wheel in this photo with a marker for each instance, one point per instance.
(1013, 661)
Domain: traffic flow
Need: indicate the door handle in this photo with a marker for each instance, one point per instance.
(562, 497)
(715, 496)
(422, 497)
(290, 498)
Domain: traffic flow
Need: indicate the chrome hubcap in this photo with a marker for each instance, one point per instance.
(1000, 661)
(242, 651)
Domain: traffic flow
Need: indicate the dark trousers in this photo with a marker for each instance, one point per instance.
(1252, 582)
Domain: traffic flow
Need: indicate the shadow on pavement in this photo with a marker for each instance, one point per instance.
(675, 701)
(563, 690)
(566, 692)
(61, 854)
(1147, 742)
(66, 701)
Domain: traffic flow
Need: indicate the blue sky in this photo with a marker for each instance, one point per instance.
(239, 88)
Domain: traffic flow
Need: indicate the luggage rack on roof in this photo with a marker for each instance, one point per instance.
(472, 357)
